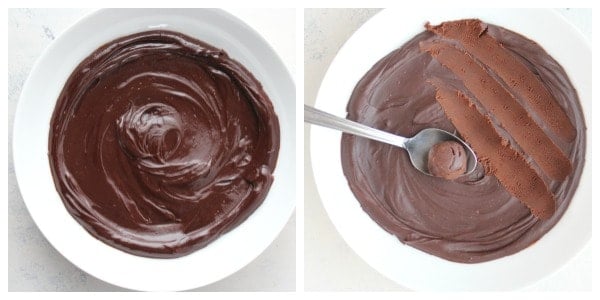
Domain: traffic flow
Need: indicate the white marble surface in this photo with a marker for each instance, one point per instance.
(330, 265)
(33, 264)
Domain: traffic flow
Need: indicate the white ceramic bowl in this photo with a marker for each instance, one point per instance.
(221, 258)
(407, 266)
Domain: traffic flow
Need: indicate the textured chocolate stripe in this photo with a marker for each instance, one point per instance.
(508, 165)
(472, 35)
(503, 105)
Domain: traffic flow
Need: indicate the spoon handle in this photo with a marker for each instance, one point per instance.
(321, 118)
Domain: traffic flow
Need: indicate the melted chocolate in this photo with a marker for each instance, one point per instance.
(160, 143)
(473, 218)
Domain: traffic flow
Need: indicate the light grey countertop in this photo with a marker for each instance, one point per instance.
(33, 264)
(330, 264)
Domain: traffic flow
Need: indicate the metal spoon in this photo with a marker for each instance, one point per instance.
(417, 147)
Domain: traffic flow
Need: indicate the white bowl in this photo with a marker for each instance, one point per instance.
(219, 259)
(408, 266)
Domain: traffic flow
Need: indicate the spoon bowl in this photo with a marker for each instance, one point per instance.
(417, 147)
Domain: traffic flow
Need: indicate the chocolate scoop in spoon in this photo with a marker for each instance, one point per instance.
(418, 146)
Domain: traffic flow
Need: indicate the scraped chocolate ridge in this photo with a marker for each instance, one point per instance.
(473, 218)
(504, 162)
(502, 104)
(472, 36)
(160, 143)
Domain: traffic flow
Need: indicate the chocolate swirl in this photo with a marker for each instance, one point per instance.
(160, 143)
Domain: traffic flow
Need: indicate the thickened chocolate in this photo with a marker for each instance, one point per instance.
(447, 160)
(160, 143)
(509, 100)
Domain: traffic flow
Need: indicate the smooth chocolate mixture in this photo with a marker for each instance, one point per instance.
(506, 97)
(160, 143)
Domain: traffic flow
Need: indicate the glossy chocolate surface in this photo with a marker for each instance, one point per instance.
(161, 143)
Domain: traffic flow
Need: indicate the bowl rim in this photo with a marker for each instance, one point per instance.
(264, 63)
(424, 274)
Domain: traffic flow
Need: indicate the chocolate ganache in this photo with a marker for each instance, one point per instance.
(506, 97)
(160, 143)
(447, 159)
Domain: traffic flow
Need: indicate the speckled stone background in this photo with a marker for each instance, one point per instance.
(33, 264)
(330, 265)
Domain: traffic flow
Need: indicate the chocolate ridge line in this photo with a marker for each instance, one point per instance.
(516, 75)
(508, 165)
(503, 105)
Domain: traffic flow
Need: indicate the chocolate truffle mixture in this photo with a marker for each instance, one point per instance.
(447, 159)
(160, 143)
(509, 100)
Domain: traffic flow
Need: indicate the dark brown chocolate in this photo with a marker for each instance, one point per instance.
(447, 160)
(502, 161)
(498, 100)
(472, 35)
(473, 218)
(160, 143)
